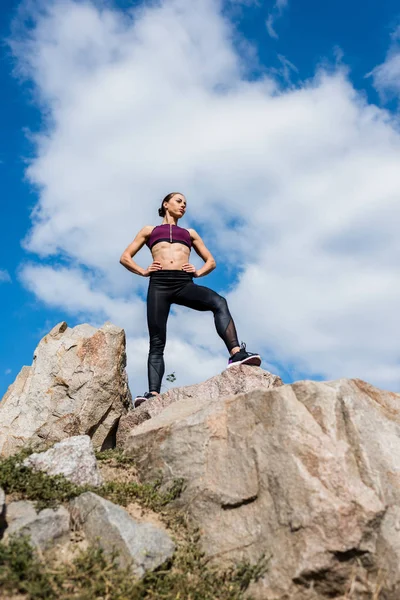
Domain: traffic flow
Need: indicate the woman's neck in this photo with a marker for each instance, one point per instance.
(168, 220)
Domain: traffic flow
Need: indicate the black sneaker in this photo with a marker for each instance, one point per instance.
(140, 399)
(244, 358)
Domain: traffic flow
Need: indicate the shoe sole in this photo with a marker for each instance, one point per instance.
(138, 402)
(254, 361)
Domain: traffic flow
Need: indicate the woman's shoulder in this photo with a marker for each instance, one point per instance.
(144, 233)
(193, 233)
(147, 229)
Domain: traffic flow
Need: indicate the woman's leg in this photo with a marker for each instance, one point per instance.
(202, 298)
(158, 305)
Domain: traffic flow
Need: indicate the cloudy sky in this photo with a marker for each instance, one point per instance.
(279, 121)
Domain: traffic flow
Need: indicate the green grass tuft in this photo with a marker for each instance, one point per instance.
(115, 454)
(93, 575)
(148, 495)
(47, 491)
(21, 570)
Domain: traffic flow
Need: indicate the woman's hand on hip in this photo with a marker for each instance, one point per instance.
(189, 269)
(155, 266)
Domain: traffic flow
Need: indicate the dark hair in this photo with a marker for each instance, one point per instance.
(161, 210)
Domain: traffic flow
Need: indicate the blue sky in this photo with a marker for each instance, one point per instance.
(312, 59)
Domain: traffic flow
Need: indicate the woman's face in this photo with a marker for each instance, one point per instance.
(176, 206)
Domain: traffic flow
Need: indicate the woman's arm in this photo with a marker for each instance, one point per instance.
(132, 249)
(204, 253)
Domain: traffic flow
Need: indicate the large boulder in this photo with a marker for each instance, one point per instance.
(232, 381)
(74, 458)
(141, 546)
(76, 385)
(306, 474)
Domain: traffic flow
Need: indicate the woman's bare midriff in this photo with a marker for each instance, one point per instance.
(171, 256)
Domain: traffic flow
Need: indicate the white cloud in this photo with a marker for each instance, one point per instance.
(76, 294)
(156, 100)
(274, 15)
(386, 77)
(189, 362)
(7, 372)
(4, 276)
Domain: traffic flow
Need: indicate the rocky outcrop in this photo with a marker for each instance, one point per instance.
(45, 529)
(140, 546)
(76, 385)
(74, 458)
(232, 381)
(307, 474)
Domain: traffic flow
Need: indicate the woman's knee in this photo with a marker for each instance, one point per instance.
(157, 345)
(220, 304)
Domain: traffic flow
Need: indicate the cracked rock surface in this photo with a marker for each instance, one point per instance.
(236, 380)
(307, 474)
(77, 385)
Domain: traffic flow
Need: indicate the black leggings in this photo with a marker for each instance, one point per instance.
(177, 287)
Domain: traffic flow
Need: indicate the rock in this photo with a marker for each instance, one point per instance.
(76, 385)
(74, 458)
(307, 474)
(21, 511)
(142, 546)
(234, 380)
(2, 511)
(388, 548)
(46, 528)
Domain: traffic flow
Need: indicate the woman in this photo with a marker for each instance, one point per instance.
(171, 282)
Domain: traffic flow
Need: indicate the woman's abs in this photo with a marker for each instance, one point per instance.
(171, 256)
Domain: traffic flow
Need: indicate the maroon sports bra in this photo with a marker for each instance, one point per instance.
(169, 233)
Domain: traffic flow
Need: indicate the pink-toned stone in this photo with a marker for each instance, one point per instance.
(307, 474)
(76, 385)
(232, 381)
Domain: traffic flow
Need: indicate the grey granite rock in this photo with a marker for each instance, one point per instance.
(46, 528)
(142, 546)
(21, 511)
(74, 458)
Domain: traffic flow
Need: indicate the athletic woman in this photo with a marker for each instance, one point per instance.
(171, 282)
